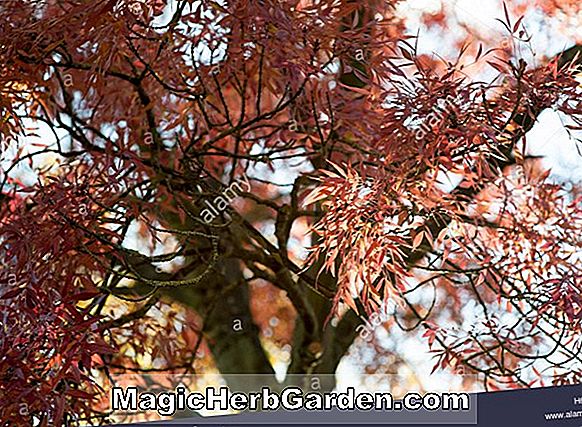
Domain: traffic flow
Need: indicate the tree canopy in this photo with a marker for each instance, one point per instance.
(216, 185)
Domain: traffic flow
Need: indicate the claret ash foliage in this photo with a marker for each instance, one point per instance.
(121, 118)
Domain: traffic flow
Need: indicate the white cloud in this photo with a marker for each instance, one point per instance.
(561, 151)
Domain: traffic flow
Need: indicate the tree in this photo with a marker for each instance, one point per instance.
(192, 155)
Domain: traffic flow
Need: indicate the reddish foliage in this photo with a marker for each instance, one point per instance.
(160, 117)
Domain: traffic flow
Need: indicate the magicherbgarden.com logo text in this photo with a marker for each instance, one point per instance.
(291, 399)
